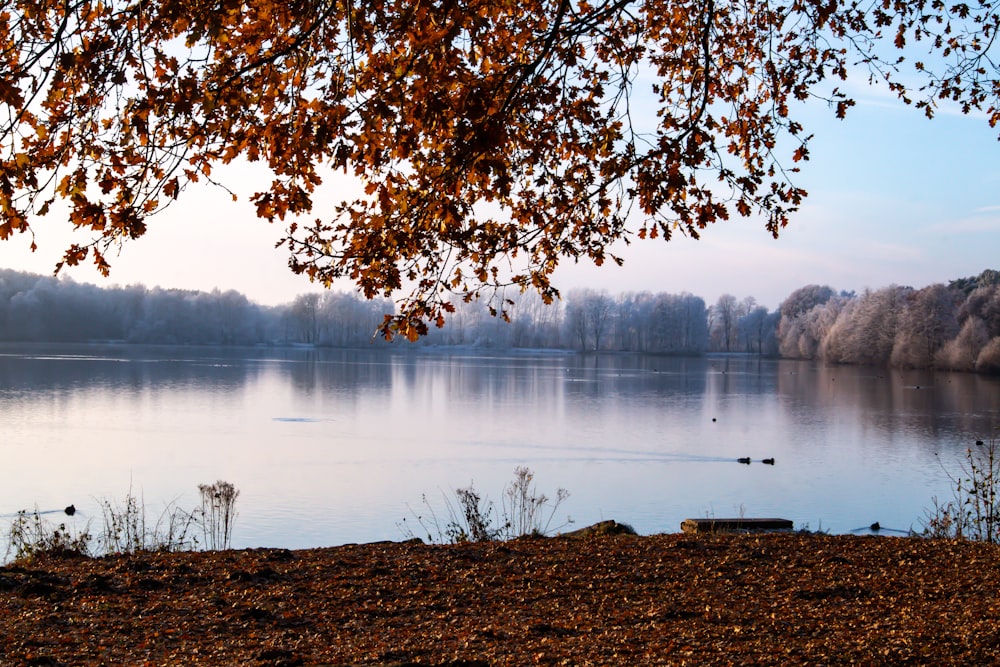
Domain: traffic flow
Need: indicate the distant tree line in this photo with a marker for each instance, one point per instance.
(586, 320)
(950, 327)
(954, 326)
(46, 309)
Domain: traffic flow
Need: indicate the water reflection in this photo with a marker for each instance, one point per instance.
(329, 446)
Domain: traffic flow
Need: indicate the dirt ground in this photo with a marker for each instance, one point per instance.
(777, 599)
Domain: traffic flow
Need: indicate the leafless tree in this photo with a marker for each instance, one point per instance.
(927, 322)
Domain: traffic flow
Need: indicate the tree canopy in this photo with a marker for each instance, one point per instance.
(493, 138)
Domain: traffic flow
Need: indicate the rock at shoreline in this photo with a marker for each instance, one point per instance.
(602, 529)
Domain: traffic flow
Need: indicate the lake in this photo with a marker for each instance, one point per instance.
(335, 446)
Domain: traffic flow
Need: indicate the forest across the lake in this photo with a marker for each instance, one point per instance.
(954, 326)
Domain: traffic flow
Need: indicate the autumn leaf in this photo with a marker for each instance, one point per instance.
(492, 139)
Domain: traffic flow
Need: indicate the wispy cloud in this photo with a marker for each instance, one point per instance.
(984, 219)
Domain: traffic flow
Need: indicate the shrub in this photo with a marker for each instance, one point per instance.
(974, 512)
(218, 512)
(472, 518)
(32, 537)
(125, 529)
(988, 360)
(525, 510)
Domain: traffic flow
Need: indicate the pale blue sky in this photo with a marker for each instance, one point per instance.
(894, 198)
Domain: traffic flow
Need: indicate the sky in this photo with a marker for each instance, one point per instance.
(894, 198)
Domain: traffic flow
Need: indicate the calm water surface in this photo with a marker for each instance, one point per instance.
(329, 447)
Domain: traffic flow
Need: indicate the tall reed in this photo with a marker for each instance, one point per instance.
(218, 512)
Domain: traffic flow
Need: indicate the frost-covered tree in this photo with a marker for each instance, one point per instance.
(865, 331)
(961, 353)
(927, 322)
(795, 337)
(989, 358)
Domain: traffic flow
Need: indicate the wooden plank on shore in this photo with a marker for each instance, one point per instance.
(734, 525)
